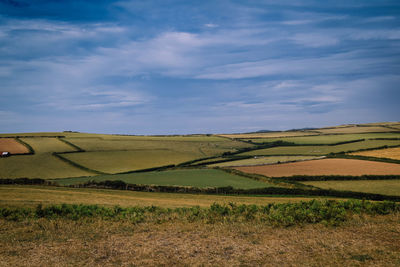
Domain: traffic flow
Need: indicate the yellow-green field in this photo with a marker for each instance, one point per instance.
(384, 187)
(47, 145)
(270, 134)
(33, 195)
(123, 161)
(262, 160)
(327, 139)
(42, 164)
(322, 150)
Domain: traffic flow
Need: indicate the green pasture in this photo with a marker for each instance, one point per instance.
(43, 165)
(261, 161)
(183, 177)
(322, 150)
(327, 139)
(384, 187)
(123, 161)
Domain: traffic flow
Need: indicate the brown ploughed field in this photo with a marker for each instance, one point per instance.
(325, 167)
(12, 146)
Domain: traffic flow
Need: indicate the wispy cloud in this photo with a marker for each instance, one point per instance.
(220, 66)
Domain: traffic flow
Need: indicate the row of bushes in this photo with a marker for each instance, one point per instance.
(285, 143)
(25, 181)
(229, 190)
(329, 212)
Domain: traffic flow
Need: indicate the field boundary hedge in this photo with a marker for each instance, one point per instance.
(28, 146)
(58, 155)
(78, 149)
(227, 190)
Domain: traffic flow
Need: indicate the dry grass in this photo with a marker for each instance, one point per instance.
(33, 195)
(325, 167)
(268, 134)
(363, 241)
(355, 129)
(11, 145)
(384, 187)
(390, 153)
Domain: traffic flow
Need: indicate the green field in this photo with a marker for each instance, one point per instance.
(261, 161)
(42, 164)
(384, 187)
(321, 150)
(124, 161)
(184, 177)
(327, 139)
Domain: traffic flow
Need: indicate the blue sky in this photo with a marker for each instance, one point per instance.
(167, 67)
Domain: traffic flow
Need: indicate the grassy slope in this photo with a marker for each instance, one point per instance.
(33, 195)
(122, 154)
(322, 150)
(42, 164)
(184, 177)
(385, 187)
(261, 161)
(123, 161)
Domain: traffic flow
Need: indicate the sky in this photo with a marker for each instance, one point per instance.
(183, 67)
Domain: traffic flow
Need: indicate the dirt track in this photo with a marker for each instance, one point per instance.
(325, 167)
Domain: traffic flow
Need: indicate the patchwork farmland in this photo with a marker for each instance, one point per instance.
(91, 182)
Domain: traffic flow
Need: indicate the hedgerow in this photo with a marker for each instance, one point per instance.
(328, 212)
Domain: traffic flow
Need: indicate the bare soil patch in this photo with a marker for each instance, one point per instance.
(11, 145)
(325, 167)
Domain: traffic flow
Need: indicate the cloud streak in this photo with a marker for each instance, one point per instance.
(153, 67)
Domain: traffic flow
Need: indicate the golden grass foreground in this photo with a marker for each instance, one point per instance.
(325, 167)
(362, 241)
